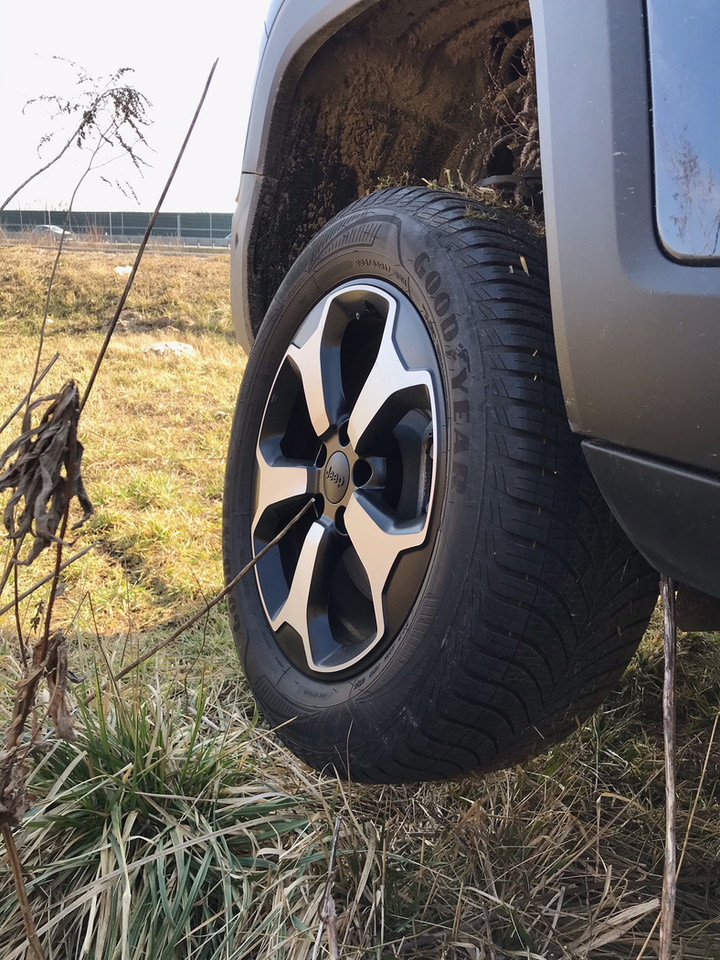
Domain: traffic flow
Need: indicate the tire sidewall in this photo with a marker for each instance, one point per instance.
(382, 245)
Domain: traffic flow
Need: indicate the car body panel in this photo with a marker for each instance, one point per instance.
(637, 333)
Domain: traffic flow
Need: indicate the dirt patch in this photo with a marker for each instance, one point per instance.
(396, 96)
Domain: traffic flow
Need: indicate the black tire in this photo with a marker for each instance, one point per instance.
(523, 603)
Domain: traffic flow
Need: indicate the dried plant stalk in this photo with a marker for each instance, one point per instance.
(42, 469)
(669, 891)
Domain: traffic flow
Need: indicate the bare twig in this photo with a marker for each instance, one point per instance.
(669, 891)
(102, 138)
(124, 104)
(40, 170)
(27, 396)
(41, 337)
(18, 625)
(41, 583)
(35, 479)
(208, 606)
(143, 243)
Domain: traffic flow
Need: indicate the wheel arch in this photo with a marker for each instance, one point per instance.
(403, 92)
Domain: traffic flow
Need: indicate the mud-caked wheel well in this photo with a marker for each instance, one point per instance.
(405, 93)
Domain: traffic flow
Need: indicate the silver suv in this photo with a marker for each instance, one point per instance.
(476, 257)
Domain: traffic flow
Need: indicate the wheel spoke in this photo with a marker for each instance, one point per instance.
(318, 364)
(378, 541)
(388, 377)
(309, 576)
(280, 481)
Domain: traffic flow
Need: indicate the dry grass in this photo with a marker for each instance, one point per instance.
(176, 827)
(155, 431)
(561, 859)
(188, 292)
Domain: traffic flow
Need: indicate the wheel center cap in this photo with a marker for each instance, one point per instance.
(336, 477)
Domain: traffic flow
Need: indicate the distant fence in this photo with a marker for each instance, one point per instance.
(131, 225)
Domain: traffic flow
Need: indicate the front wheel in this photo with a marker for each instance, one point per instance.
(458, 593)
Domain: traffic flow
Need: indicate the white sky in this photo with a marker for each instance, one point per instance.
(171, 47)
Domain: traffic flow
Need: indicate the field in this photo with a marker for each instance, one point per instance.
(175, 826)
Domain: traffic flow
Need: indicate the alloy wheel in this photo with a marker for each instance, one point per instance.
(352, 423)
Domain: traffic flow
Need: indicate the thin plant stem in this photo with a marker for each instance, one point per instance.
(41, 583)
(51, 281)
(143, 243)
(18, 625)
(25, 399)
(33, 176)
(208, 606)
(9, 565)
(669, 890)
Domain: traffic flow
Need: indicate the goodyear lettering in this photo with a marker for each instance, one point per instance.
(462, 444)
(432, 283)
(431, 280)
(441, 300)
(458, 381)
(420, 264)
(450, 328)
(442, 304)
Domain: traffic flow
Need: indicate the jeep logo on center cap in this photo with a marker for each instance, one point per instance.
(337, 477)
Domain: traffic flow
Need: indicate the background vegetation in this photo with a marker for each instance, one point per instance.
(174, 826)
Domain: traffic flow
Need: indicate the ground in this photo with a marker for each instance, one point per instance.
(176, 825)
